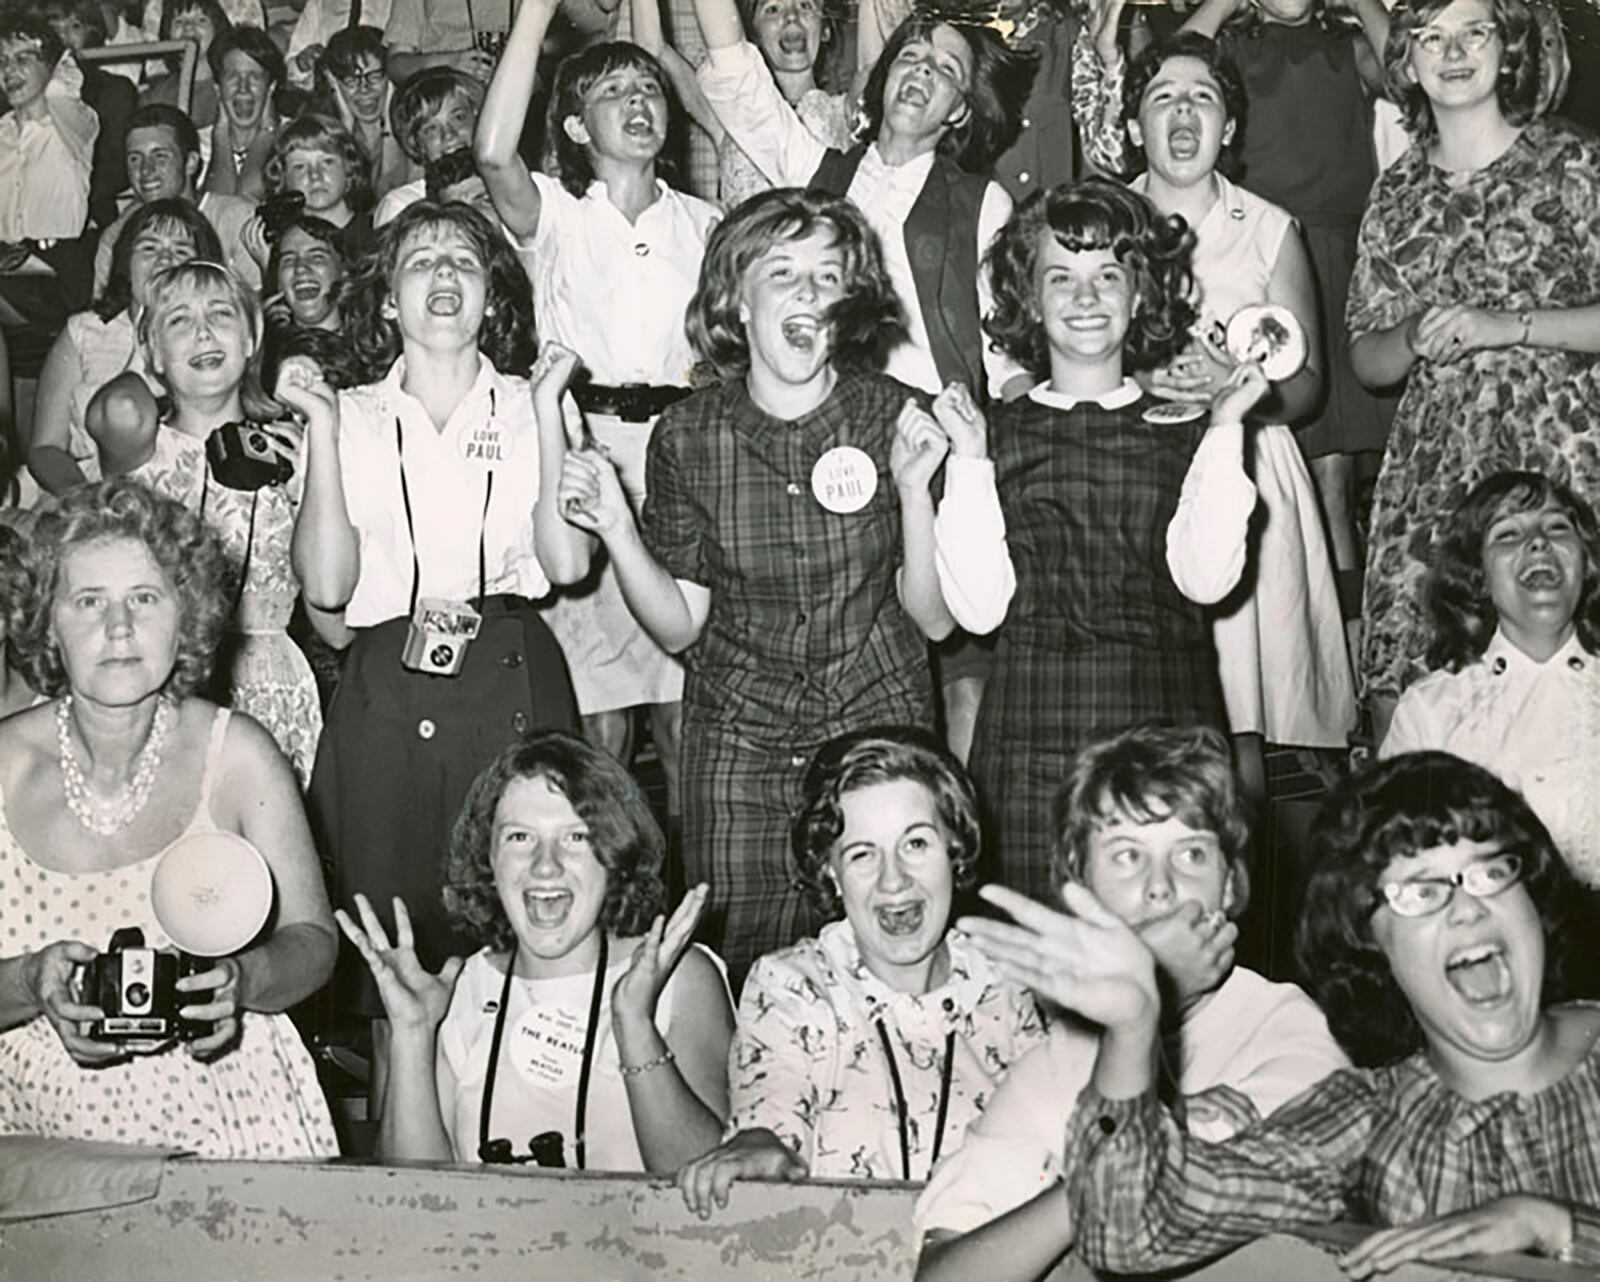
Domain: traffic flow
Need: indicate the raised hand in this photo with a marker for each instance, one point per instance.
(705, 1182)
(48, 976)
(591, 494)
(919, 446)
(1193, 947)
(637, 992)
(552, 369)
(1102, 20)
(413, 999)
(1240, 393)
(962, 421)
(1508, 1224)
(302, 387)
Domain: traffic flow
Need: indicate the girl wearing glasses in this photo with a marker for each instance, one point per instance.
(1442, 935)
(1478, 283)
(1513, 602)
(355, 85)
(587, 1031)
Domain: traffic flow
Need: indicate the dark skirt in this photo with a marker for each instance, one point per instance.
(397, 756)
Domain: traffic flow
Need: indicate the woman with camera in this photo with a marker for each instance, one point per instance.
(430, 520)
(227, 451)
(123, 612)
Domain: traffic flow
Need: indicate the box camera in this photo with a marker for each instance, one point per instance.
(136, 989)
(277, 212)
(241, 457)
(437, 639)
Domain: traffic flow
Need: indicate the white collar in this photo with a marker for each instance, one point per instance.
(1503, 655)
(914, 171)
(488, 379)
(1115, 399)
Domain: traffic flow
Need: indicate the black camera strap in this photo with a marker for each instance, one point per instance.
(249, 533)
(900, 1100)
(411, 529)
(590, 1036)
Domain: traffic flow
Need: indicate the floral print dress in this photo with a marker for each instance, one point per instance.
(1521, 233)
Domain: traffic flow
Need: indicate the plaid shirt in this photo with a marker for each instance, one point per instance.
(806, 633)
(1385, 1146)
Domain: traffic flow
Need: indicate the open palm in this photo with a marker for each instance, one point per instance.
(413, 997)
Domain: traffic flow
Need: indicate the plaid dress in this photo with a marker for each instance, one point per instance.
(1097, 635)
(806, 638)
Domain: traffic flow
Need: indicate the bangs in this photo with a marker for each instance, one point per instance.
(1083, 225)
(166, 224)
(613, 56)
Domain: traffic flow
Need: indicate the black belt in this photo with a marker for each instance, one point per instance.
(632, 402)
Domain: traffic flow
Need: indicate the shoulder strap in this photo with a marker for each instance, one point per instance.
(219, 732)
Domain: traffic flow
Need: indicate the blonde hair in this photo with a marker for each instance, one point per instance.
(201, 276)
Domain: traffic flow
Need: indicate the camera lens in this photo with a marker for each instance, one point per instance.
(138, 995)
(441, 656)
(258, 443)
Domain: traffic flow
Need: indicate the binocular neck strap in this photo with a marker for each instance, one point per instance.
(900, 1099)
(411, 529)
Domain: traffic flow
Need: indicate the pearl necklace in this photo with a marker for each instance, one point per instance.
(107, 817)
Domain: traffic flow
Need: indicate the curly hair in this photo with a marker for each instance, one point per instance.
(865, 321)
(507, 335)
(881, 754)
(1001, 81)
(13, 589)
(622, 833)
(422, 97)
(211, 280)
(312, 132)
(1517, 88)
(1095, 213)
(179, 542)
(255, 44)
(578, 73)
(1223, 69)
(1456, 593)
(1150, 772)
(162, 216)
(1402, 807)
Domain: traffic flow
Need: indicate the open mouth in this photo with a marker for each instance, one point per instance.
(1541, 575)
(1480, 974)
(207, 360)
(792, 42)
(1458, 74)
(444, 302)
(901, 920)
(640, 125)
(914, 93)
(547, 908)
(1183, 142)
(306, 291)
(1087, 324)
(802, 332)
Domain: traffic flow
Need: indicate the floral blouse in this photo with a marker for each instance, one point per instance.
(809, 1063)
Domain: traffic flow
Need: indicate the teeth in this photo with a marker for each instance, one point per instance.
(904, 919)
(1472, 956)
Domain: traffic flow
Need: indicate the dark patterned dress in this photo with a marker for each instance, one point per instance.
(1521, 233)
(1097, 635)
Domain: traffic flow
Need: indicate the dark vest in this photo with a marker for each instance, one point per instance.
(942, 243)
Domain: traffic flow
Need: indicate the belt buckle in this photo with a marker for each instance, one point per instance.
(633, 405)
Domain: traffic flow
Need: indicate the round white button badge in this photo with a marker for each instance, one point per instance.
(844, 479)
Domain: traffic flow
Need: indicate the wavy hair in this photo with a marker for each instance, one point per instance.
(1095, 213)
(861, 759)
(622, 833)
(507, 334)
(1223, 69)
(212, 280)
(865, 321)
(1400, 808)
(579, 72)
(179, 542)
(1517, 87)
(422, 97)
(1456, 593)
(13, 588)
(1148, 773)
(313, 132)
(171, 214)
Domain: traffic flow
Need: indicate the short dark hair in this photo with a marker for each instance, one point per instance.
(1191, 44)
(576, 75)
(1001, 80)
(171, 212)
(1095, 213)
(882, 754)
(450, 169)
(328, 348)
(255, 44)
(87, 12)
(507, 336)
(220, 22)
(1455, 592)
(319, 229)
(179, 542)
(27, 28)
(163, 115)
(865, 321)
(313, 132)
(1401, 807)
(342, 55)
(1517, 87)
(622, 833)
(1149, 772)
(422, 96)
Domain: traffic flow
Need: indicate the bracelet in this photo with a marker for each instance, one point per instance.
(633, 1070)
(1527, 327)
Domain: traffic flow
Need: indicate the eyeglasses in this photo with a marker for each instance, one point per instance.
(369, 79)
(1433, 41)
(1424, 896)
(545, 1149)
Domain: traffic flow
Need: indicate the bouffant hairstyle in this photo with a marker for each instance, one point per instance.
(167, 216)
(1095, 213)
(507, 334)
(1148, 773)
(865, 321)
(17, 27)
(1001, 80)
(220, 22)
(163, 115)
(313, 132)
(578, 73)
(1518, 86)
(255, 44)
(211, 280)
(179, 542)
(1191, 44)
(346, 47)
(1456, 593)
(861, 759)
(622, 833)
(422, 97)
(1400, 808)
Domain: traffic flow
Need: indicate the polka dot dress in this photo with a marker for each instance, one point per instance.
(259, 1100)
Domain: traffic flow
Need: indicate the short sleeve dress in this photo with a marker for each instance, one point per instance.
(259, 1100)
(1521, 233)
